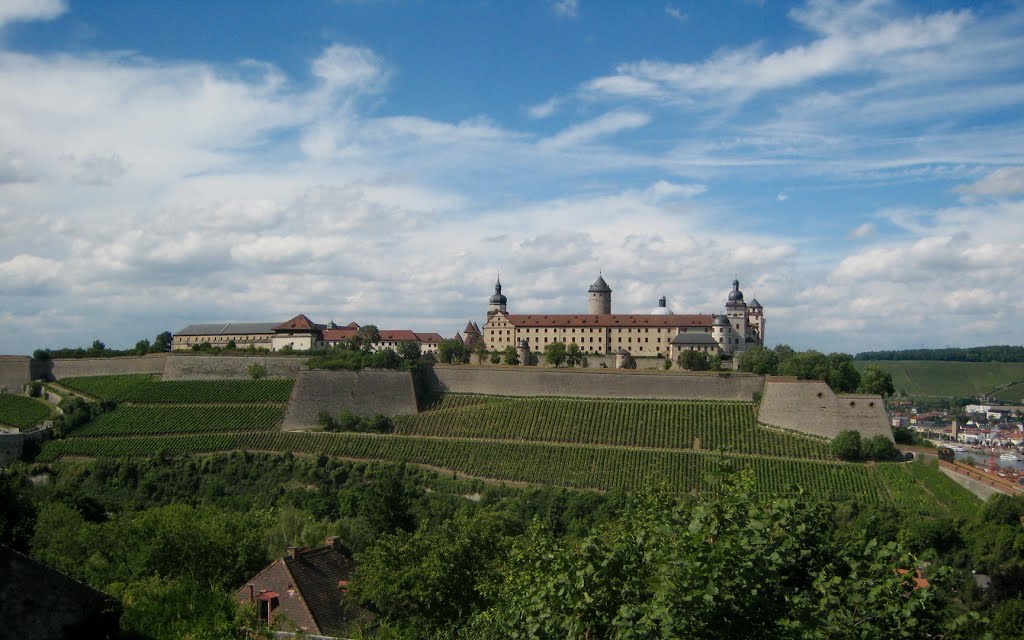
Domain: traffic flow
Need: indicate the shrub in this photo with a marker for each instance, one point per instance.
(881, 449)
(846, 446)
(257, 371)
(35, 389)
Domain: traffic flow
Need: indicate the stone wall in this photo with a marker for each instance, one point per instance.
(11, 444)
(64, 368)
(591, 383)
(364, 393)
(810, 406)
(189, 367)
(15, 371)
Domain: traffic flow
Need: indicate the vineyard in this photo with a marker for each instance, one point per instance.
(21, 411)
(561, 465)
(625, 423)
(162, 419)
(568, 442)
(144, 389)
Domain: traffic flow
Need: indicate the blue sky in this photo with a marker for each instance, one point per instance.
(858, 165)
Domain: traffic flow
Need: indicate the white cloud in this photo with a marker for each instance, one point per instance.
(342, 67)
(1008, 181)
(865, 230)
(566, 8)
(544, 109)
(782, 196)
(30, 10)
(24, 272)
(601, 126)
(675, 13)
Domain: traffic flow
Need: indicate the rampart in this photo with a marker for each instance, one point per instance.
(67, 367)
(194, 367)
(811, 406)
(12, 444)
(590, 383)
(15, 371)
(364, 393)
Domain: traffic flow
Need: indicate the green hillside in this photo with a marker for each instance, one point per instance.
(947, 379)
(568, 442)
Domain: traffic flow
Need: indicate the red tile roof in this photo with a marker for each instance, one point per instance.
(430, 337)
(609, 320)
(337, 335)
(398, 335)
(298, 323)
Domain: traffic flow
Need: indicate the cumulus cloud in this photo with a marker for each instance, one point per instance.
(345, 68)
(30, 10)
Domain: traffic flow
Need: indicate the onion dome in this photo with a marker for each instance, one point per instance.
(497, 298)
(720, 321)
(600, 286)
(662, 308)
(735, 295)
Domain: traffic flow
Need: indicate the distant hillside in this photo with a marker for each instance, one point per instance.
(999, 353)
(952, 379)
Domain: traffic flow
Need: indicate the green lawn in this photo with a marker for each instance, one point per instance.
(948, 379)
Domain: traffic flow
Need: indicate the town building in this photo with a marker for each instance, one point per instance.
(306, 592)
(659, 333)
(298, 334)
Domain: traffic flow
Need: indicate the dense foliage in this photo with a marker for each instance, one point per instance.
(348, 421)
(22, 411)
(98, 349)
(145, 389)
(836, 369)
(1000, 353)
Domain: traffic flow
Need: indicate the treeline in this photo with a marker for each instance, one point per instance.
(994, 353)
(98, 349)
(171, 535)
(836, 369)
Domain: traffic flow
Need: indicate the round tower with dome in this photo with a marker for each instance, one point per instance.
(600, 297)
(497, 302)
(662, 308)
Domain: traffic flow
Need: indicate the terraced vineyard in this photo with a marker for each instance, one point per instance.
(152, 420)
(569, 466)
(570, 442)
(144, 389)
(21, 411)
(627, 423)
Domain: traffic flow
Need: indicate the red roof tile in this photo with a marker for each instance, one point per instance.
(337, 335)
(298, 323)
(398, 335)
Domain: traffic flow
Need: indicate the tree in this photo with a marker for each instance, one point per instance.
(510, 356)
(846, 446)
(554, 353)
(842, 375)
(142, 347)
(409, 351)
(876, 380)
(97, 346)
(452, 351)
(479, 349)
(573, 355)
(495, 357)
(759, 360)
(162, 342)
(879, 448)
(693, 360)
(257, 371)
(366, 337)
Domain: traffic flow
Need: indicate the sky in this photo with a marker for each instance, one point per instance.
(858, 166)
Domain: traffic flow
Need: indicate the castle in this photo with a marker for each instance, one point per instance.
(660, 333)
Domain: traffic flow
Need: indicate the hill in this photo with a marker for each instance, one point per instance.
(948, 379)
(570, 442)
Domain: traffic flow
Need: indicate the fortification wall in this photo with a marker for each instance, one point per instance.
(12, 444)
(64, 368)
(189, 367)
(811, 407)
(15, 371)
(589, 383)
(364, 393)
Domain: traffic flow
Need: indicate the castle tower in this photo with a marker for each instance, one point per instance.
(600, 297)
(736, 312)
(497, 302)
(756, 317)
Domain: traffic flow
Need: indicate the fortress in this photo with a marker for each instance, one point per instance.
(660, 333)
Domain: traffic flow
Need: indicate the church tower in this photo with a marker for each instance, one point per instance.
(497, 302)
(600, 297)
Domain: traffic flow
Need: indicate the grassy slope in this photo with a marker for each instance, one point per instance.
(948, 379)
